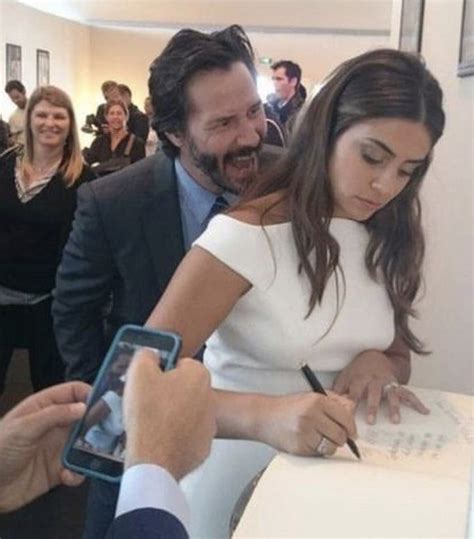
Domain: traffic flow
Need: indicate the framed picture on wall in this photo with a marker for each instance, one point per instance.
(13, 62)
(411, 25)
(466, 49)
(42, 67)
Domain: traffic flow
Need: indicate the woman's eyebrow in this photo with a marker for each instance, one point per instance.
(391, 152)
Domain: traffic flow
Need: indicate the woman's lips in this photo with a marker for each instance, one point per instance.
(371, 204)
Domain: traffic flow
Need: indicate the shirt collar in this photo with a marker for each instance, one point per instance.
(195, 197)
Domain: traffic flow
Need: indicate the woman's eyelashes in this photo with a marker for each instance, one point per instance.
(406, 173)
(371, 159)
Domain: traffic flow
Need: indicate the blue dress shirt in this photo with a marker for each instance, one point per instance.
(195, 202)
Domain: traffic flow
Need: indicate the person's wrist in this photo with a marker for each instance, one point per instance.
(136, 456)
(263, 418)
(401, 367)
(392, 366)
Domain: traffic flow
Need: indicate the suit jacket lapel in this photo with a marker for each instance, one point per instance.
(161, 221)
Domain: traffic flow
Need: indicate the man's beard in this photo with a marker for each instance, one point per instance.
(209, 164)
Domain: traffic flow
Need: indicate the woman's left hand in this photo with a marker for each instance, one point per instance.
(370, 375)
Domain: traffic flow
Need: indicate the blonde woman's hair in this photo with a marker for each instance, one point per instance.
(72, 163)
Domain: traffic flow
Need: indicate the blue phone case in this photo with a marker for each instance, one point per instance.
(172, 358)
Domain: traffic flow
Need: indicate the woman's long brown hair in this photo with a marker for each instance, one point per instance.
(383, 83)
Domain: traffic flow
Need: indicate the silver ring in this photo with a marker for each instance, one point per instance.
(387, 387)
(323, 446)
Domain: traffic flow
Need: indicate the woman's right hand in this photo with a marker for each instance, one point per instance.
(298, 423)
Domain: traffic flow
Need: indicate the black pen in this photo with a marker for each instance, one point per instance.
(318, 388)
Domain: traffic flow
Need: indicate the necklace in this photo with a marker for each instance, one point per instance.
(45, 170)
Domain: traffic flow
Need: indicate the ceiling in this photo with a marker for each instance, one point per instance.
(306, 16)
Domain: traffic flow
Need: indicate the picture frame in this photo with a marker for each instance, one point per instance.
(42, 67)
(466, 45)
(12, 62)
(411, 25)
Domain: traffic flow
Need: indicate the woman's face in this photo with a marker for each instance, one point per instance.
(116, 117)
(372, 162)
(50, 125)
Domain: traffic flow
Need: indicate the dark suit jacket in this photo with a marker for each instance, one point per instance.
(147, 524)
(125, 245)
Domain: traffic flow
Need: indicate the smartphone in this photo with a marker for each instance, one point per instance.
(97, 444)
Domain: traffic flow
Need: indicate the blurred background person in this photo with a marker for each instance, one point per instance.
(37, 203)
(110, 91)
(137, 120)
(17, 93)
(289, 93)
(152, 141)
(4, 135)
(118, 148)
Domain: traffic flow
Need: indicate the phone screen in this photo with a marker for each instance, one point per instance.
(99, 441)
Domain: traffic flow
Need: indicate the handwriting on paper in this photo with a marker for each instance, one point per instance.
(399, 444)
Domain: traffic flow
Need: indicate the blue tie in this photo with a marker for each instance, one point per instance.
(220, 204)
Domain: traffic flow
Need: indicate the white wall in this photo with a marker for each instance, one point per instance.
(67, 42)
(446, 309)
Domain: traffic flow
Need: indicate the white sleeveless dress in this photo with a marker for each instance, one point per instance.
(261, 344)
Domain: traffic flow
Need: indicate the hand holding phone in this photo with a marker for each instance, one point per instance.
(178, 435)
(98, 442)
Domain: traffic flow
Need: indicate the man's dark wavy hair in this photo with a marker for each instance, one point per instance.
(188, 53)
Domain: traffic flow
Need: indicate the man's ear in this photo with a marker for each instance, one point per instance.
(294, 82)
(175, 138)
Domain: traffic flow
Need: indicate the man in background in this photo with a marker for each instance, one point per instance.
(289, 93)
(17, 93)
(137, 120)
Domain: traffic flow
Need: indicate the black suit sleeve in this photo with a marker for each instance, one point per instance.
(147, 524)
(83, 289)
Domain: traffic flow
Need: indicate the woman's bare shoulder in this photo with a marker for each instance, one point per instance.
(267, 210)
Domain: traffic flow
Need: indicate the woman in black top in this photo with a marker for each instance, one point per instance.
(118, 148)
(38, 184)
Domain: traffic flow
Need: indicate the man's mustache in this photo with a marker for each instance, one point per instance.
(247, 151)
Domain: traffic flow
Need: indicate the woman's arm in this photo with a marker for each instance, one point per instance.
(199, 297)
(294, 423)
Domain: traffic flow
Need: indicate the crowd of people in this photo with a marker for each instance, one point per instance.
(304, 247)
